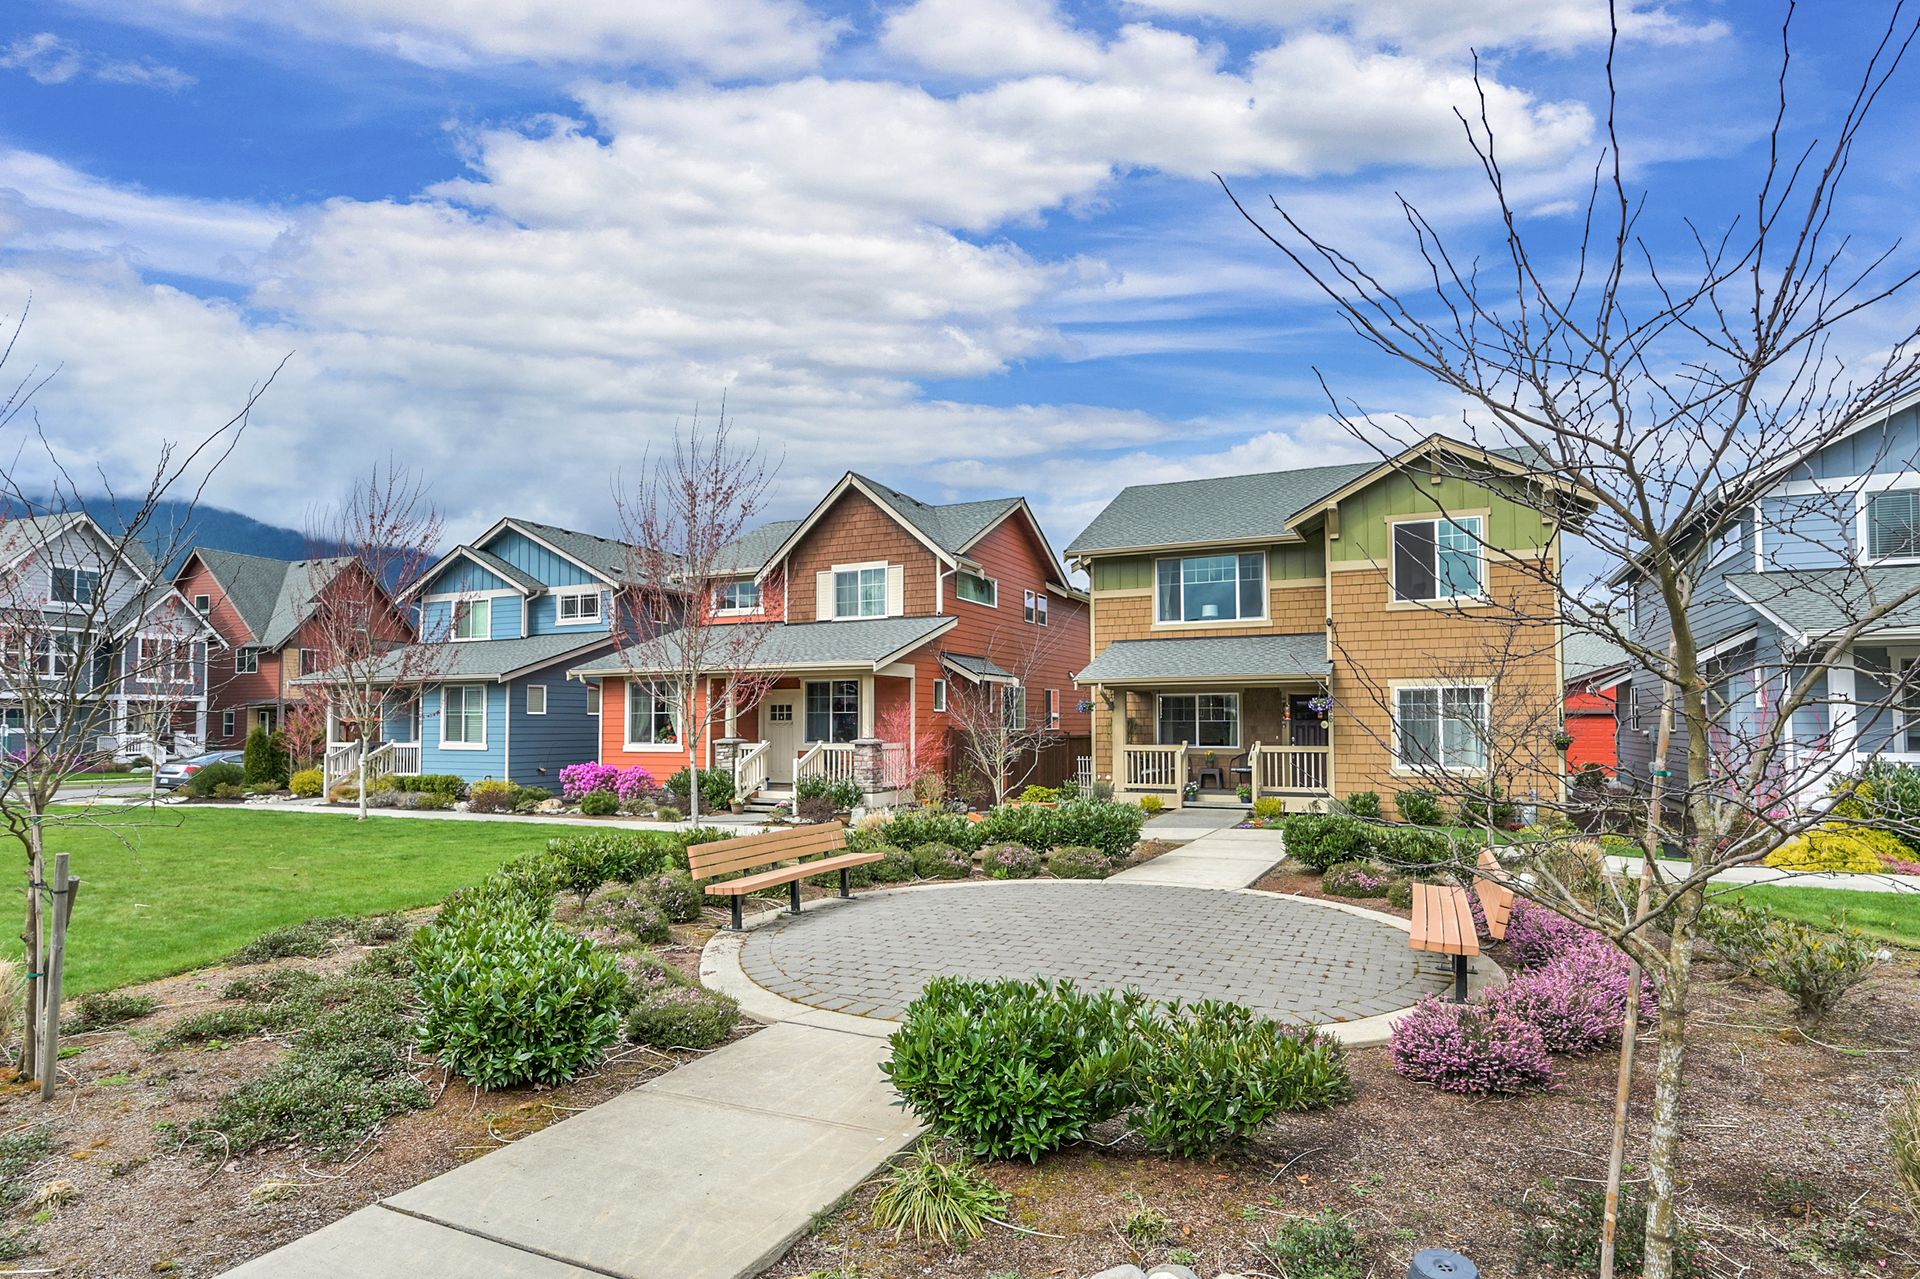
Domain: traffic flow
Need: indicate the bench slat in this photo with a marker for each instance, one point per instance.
(724, 855)
(1496, 899)
(787, 874)
(1442, 921)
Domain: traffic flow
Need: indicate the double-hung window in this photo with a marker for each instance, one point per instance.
(246, 661)
(1438, 559)
(536, 699)
(1036, 608)
(1441, 727)
(860, 592)
(737, 597)
(650, 717)
(226, 725)
(1200, 719)
(1052, 703)
(581, 606)
(75, 585)
(472, 619)
(833, 710)
(1893, 525)
(977, 590)
(1015, 707)
(463, 716)
(1212, 588)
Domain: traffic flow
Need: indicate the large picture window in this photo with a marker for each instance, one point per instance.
(833, 710)
(1893, 525)
(1438, 559)
(1200, 719)
(1441, 727)
(860, 592)
(472, 619)
(650, 719)
(75, 585)
(1212, 588)
(463, 715)
(976, 589)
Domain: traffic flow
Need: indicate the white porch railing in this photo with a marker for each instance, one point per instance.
(1154, 768)
(1290, 770)
(1083, 772)
(750, 770)
(339, 763)
(831, 760)
(393, 759)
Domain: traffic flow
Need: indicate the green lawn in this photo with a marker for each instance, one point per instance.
(1891, 917)
(196, 885)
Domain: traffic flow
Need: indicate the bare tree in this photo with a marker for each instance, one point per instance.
(1652, 408)
(365, 651)
(88, 626)
(999, 732)
(681, 523)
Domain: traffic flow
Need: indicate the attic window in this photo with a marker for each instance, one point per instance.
(203, 604)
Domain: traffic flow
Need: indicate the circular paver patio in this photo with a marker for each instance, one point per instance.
(1286, 957)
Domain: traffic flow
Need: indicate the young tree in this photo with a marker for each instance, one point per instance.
(681, 522)
(999, 732)
(1673, 401)
(88, 623)
(363, 650)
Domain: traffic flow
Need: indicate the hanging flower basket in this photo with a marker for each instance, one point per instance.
(1563, 740)
(1322, 705)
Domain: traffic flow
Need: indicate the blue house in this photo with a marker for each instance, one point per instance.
(1829, 540)
(500, 621)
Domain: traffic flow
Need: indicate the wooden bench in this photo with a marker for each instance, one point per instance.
(1443, 918)
(753, 852)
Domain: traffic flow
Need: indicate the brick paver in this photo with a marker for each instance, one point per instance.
(1286, 957)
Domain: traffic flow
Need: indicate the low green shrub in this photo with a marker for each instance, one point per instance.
(668, 813)
(1010, 861)
(678, 894)
(1400, 894)
(716, 789)
(513, 1001)
(491, 796)
(937, 1200)
(1112, 828)
(841, 793)
(206, 783)
(1410, 846)
(1042, 795)
(910, 828)
(941, 861)
(1356, 879)
(1364, 803)
(1320, 840)
(1564, 1231)
(682, 1017)
(1269, 809)
(432, 801)
(599, 803)
(102, 1009)
(1210, 1074)
(305, 940)
(1323, 1245)
(894, 867)
(1816, 968)
(1421, 806)
(1740, 931)
(307, 783)
(625, 917)
(1078, 862)
(1014, 1068)
(433, 784)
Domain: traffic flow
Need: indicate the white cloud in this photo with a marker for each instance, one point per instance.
(989, 38)
(725, 37)
(1432, 26)
(48, 59)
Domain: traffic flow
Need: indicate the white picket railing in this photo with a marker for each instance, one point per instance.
(1154, 767)
(750, 770)
(1083, 772)
(339, 763)
(393, 759)
(1290, 770)
(831, 760)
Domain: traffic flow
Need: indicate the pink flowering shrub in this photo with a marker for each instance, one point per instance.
(1469, 1048)
(577, 781)
(636, 783)
(1577, 1002)
(1538, 936)
(1899, 866)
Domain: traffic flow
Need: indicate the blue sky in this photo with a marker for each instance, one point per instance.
(970, 246)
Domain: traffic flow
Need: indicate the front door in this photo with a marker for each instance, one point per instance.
(781, 712)
(1305, 727)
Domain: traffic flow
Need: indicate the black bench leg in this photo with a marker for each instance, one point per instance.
(846, 882)
(738, 924)
(1459, 979)
(793, 896)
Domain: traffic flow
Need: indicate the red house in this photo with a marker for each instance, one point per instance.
(1592, 667)
(879, 614)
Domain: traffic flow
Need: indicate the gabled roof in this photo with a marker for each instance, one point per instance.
(867, 644)
(750, 552)
(1809, 603)
(484, 660)
(272, 596)
(151, 597)
(601, 555)
(1583, 653)
(1246, 658)
(21, 535)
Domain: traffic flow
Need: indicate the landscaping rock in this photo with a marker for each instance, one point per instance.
(550, 806)
(1123, 1272)
(1171, 1270)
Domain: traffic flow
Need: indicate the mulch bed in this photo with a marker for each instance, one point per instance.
(141, 1206)
(1786, 1160)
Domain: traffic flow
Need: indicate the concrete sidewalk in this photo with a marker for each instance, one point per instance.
(1222, 858)
(708, 1172)
(1783, 878)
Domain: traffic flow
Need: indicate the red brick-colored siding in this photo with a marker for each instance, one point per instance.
(855, 531)
(1591, 722)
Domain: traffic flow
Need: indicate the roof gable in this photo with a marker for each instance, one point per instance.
(946, 530)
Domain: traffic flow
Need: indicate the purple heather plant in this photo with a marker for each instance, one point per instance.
(579, 780)
(1010, 861)
(1537, 936)
(1577, 1001)
(1468, 1048)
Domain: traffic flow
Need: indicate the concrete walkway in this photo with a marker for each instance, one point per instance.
(1219, 857)
(1786, 878)
(708, 1172)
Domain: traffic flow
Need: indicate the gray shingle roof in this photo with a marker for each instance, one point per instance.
(506, 572)
(1583, 653)
(869, 641)
(950, 527)
(483, 659)
(749, 552)
(1819, 601)
(272, 596)
(1208, 657)
(1229, 508)
(977, 667)
(602, 554)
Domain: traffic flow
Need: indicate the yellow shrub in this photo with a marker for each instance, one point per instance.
(306, 783)
(1151, 804)
(1269, 809)
(1836, 847)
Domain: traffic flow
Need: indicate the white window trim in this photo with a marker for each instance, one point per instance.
(992, 582)
(595, 695)
(761, 607)
(837, 569)
(1397, 687)
(480, 745)
(453, 619)
(1239, 723)
(543, 699)
(1042, 608)
(1050, 706)
(202, 604)
(1863, 523)
(99, 585)
(1266, 592)
(626, 726)
(227, 723)
(940, 695)
(246, 650)
(599, 607)
(1485, 594)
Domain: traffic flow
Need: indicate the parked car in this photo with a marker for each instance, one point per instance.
(175, 772)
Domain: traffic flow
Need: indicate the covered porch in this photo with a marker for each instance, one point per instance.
(1215, 720)
(825, 723)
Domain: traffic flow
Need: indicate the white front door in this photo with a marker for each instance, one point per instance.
(781, 715)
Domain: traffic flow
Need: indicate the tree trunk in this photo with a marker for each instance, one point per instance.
(30, 936)
(1663, 1145)
(362, 769)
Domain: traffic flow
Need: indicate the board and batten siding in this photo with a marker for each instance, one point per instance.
(566, 734)
(543, 613)
(536, 560)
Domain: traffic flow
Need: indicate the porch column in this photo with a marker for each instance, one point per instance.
(725, 751)
(200, 725)
(732, 726)
(1843, 711)
(866, 706)
(1119, 729)
(869, 766)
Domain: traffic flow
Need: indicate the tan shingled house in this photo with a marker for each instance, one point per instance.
(1316, 632)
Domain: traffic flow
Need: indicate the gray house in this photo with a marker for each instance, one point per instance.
(1834, 536)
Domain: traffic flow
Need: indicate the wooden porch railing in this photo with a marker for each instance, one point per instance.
(1154, 768)
(750, 770)
(1290, 770)
(339, 763)
(831, 760)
